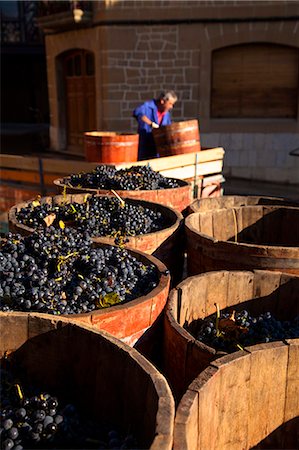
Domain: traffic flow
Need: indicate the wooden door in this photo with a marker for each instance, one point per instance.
(80, 97)
(255, 81)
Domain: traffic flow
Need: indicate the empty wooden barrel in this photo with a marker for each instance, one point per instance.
(194, 299)
(165, 244)
(178, 198)
(233, 201)
(247, 400)
(248, 237)
(177, 138)
(106, 380)
(110, 147)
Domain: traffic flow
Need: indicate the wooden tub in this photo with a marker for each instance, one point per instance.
(247, 400)
(247, 237)
(194, 299)
(178, 198)
(107, 379)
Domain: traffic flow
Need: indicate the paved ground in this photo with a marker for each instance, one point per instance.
(236, 186)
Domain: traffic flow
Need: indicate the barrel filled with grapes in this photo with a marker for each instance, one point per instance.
(110, 147)
(223, 312)
(245, 237)
(235, 201)
(248, 400)
(70, 387)
(177, 138)
(60, 271)
(149, 227)
(139, 182)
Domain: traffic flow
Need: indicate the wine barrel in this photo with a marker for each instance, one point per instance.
(194, 299)
(106, 380)
(178, 198)
(165, 244)
(247, 237)
(110, 147)
(247, 400)
(233, 201)
(177, 138)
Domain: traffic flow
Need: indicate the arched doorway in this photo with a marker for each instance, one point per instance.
(79, 77)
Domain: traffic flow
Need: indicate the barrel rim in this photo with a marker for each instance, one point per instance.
(176, 220)
(192, 206)
(179, 124)
(182, 183)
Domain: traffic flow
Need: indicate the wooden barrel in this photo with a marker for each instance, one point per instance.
(247, 237)
(194, 299)
(107, 380)
(247, 400)
(233, 201)
(177, 138)
(178, 198)
(110, 147)
(166, 244)
(129, 321)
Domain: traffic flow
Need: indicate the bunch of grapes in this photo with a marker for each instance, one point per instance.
(131, 179)
(58, 271)
(98, 216)
(229, 334)
(35, 420)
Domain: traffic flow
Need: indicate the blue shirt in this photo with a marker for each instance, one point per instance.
(147, 148)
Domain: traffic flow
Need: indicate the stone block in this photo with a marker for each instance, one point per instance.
(131, 73)
(143, 46)
(169, 46)
(156, 44)
(192, 75)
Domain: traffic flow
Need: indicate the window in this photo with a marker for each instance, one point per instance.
(255, 81)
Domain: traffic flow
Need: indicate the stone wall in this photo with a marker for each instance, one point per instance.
(148, 46)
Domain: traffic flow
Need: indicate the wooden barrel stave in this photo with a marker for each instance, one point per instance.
(104, 393)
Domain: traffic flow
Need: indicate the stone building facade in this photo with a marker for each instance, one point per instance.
(233, 64)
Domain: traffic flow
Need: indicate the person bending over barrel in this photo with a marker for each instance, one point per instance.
(152, 114)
